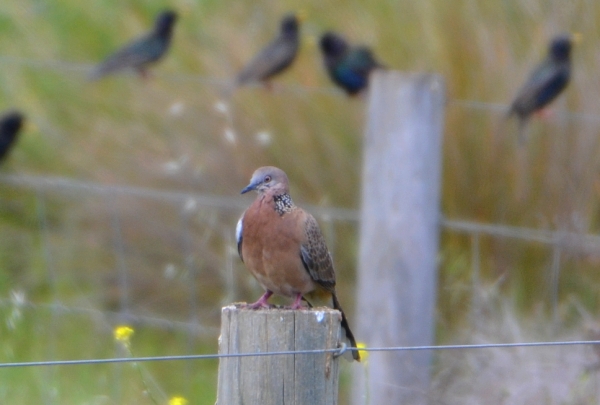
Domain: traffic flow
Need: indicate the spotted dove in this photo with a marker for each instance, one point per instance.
(283, 247)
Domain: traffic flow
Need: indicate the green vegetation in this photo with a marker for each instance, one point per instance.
(179, 132)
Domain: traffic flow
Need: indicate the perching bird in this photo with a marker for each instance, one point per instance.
(546, 82)
(10, 125)
(283, 247)
(141, 52)
(349, 67)
(276, 56)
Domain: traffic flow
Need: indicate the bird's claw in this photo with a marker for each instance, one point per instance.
(260, 304)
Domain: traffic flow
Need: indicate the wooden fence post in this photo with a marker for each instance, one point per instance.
(399, 236)
(279, 379)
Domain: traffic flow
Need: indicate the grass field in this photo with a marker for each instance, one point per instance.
(178, 132)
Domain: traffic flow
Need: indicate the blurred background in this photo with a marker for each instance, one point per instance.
(119, 204)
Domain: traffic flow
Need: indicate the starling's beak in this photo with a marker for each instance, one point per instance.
(576, 38)
(302, 15)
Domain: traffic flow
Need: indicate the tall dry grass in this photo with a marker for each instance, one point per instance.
(179, 132)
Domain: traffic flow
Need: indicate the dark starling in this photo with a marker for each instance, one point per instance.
(276, 56)
(349, 67)
(141, 52)
(546, 82)
(10, 125)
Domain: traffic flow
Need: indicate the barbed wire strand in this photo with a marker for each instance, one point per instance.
(337, 351)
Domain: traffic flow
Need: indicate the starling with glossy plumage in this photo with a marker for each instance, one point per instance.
(10, 125)
(546, 82)
(276, 56)
(349, 67)
(140, 53)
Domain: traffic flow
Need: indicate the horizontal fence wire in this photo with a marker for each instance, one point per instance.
(503, 108)
(583, 242)
(174, 197)
(338, 351)
(551, 237)
(152, 321)
(572, 240)
(68, 67)
(566, 239)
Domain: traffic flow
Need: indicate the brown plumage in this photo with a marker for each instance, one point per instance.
(284, 248)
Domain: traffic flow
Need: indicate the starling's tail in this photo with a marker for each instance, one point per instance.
(521, 131)
(522, 124)
(95, 74)
(499, 129)
(349, 335)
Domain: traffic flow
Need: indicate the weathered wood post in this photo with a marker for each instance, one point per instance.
(284, 379)
(399, 236)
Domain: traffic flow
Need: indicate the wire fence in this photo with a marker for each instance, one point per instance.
(187, 205)
(336, 351)
(67, 67)
(42, 187)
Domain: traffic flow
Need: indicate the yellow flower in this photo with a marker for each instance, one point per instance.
(123, 333)
(178, 401)
(363, 353)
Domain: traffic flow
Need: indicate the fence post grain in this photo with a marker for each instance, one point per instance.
(278, 379)
(399, 235)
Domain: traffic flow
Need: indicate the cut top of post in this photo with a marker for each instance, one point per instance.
(303, 378)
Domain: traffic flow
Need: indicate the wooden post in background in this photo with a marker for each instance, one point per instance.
(399, 236)
(279, 379)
